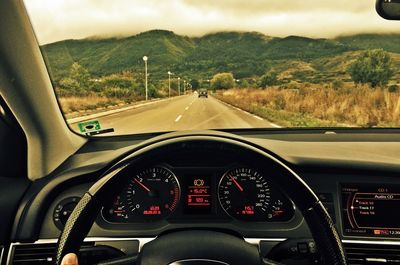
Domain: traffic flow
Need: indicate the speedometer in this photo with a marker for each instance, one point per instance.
(246, 195)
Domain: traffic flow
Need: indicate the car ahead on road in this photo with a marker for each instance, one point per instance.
(161, 189)
(203, 93)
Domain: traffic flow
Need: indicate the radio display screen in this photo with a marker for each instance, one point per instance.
(371, 210)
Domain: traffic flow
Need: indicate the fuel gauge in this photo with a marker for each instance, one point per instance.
(281, 210)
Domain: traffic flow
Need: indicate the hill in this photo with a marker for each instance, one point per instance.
(113, 55)
(388, 42)
(246, 54)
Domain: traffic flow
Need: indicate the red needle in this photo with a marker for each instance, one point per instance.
(143, 186)
(236, 183)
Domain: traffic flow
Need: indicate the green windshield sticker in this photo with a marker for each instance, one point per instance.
(89, 126)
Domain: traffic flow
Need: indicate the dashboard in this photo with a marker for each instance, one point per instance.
(236, 196)
(208, 190)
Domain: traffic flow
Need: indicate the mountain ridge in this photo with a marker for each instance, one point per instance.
(244, 53)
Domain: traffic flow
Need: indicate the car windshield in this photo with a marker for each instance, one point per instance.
(140, 66)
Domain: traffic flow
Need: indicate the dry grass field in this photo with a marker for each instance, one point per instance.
(86, 103)
(309, 105)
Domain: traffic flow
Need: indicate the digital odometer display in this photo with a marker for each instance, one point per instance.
(371, 210)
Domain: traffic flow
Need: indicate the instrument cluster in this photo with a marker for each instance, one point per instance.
(163, 193)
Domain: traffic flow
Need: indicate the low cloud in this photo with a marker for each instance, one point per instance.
(273, 6)
(66, 19)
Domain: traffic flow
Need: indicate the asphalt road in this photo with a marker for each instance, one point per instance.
(181, 113)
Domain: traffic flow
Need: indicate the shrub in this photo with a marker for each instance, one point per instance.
(393, 88)
(223, 81)
(116, 92)
(269, 79)
(373, 67)
(117, 81)
(337, 84)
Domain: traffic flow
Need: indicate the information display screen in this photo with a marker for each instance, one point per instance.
(371, 210)
(197, 194)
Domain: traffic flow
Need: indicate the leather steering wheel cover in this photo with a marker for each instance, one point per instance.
(319, 221)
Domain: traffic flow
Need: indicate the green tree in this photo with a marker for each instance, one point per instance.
(152, 91)
(78, 82)
(372, 67)
(69, 87)
(269, 79)
(223, 81)
(81, 75)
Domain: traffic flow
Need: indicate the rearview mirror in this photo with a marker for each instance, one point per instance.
(388, 9)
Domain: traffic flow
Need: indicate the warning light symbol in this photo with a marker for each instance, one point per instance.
(198, 182)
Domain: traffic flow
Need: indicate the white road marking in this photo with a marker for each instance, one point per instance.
(259, 118)
(275, 125)
(255, 116)
(186, 108)
(246, 112)
(178, 118)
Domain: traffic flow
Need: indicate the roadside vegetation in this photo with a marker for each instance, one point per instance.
(80, 93)
(367, 101)
(311, 105)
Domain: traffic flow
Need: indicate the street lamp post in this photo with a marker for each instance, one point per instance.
(145, 58)
(179, 86)
(169, 84)
(184, 87)
(209, 83)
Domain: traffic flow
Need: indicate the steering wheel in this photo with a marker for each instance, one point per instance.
(193, 247)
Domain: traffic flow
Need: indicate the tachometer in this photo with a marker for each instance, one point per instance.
(246, 195)
(150, 195)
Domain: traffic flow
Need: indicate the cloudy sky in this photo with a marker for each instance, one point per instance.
(55, 20)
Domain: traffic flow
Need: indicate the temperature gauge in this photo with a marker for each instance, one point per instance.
(117, 211)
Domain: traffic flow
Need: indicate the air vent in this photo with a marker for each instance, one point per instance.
(33, 254)
(358, 253)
